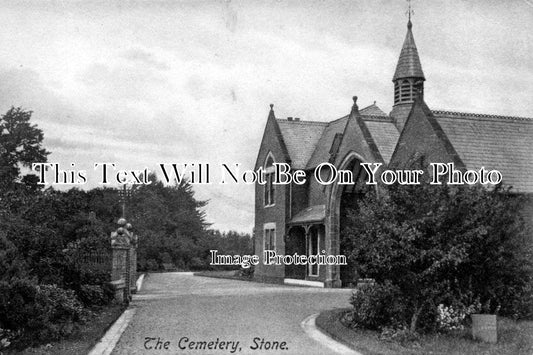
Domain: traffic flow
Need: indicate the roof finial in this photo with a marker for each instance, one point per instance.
(410, 12)
(271, 113)
(355, 108)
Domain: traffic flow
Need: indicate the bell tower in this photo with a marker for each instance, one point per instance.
(408, 78)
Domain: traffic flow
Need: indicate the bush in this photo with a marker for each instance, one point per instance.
(6, 337)
(443, 245)
(151, 265)
(37, 312)
(197, 263)
(94, 295)
(523, 304)
(247, 272)
(376, 306)
(63, 306)
(450, 318)
(17, 303)
(94, 277)
(75, 279)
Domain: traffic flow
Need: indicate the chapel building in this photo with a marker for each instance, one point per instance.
(307, 219)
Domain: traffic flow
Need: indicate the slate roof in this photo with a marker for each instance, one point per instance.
(321, 151)
(409, 63)
(495, 142)
(372, 110)
(384, 133)
(309, 142)
(310, 214)
(301, 138)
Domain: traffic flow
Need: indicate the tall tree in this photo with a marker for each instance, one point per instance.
(170, 222)
(20, 145)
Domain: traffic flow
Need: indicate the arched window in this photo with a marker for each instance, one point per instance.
(269, 196)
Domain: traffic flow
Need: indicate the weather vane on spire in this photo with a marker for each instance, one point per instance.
(410, 11)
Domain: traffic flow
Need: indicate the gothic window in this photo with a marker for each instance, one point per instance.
(269, 192)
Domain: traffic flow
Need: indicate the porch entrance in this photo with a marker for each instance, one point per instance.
(350, 198)
(295, 243)
(304, 240)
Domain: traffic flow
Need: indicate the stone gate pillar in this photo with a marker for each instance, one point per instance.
(120, 262)
(133, 261)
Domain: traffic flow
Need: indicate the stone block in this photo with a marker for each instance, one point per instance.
(484, 328)
(118, 287)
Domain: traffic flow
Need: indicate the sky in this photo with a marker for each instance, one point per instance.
(139, 83)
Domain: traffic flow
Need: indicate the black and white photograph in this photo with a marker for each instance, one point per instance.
(266, 177)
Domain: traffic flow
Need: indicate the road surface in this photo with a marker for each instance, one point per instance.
(178, 313)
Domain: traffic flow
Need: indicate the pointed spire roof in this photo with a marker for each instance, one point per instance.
(409, 63)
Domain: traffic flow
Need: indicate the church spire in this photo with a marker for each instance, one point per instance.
(408, 78)
(409, 63)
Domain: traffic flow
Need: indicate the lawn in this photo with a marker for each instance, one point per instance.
(514, 338)
(82, 341)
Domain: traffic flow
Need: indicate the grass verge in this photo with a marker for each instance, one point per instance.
(514, 338)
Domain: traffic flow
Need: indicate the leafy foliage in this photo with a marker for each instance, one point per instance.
(37, 313)
(39, 281)
(171, 224)
(94, 295)
(376, 305)
(442, 244)
(42, 231)
(20, 144)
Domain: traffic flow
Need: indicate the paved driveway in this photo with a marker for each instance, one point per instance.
(191, 313)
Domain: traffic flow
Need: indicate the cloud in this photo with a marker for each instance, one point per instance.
(183, 82)
(123, 83)
(145, 58)
(24, 87)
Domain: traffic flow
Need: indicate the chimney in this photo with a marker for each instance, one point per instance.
(289, 118)
(297, 119)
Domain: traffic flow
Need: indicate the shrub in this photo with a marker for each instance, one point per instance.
(94, 295)
(523, 303)
(63, 306)
(37, 312)
(438, 244)
(75, 279)
(6, 337)
(17, 300)
(197, 263)
(247, 272)
(451, 318)
(376, 306)
(151, 265)
(94, 277)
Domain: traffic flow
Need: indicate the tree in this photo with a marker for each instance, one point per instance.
(442, 244)
(20, 145)
(169, 221)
